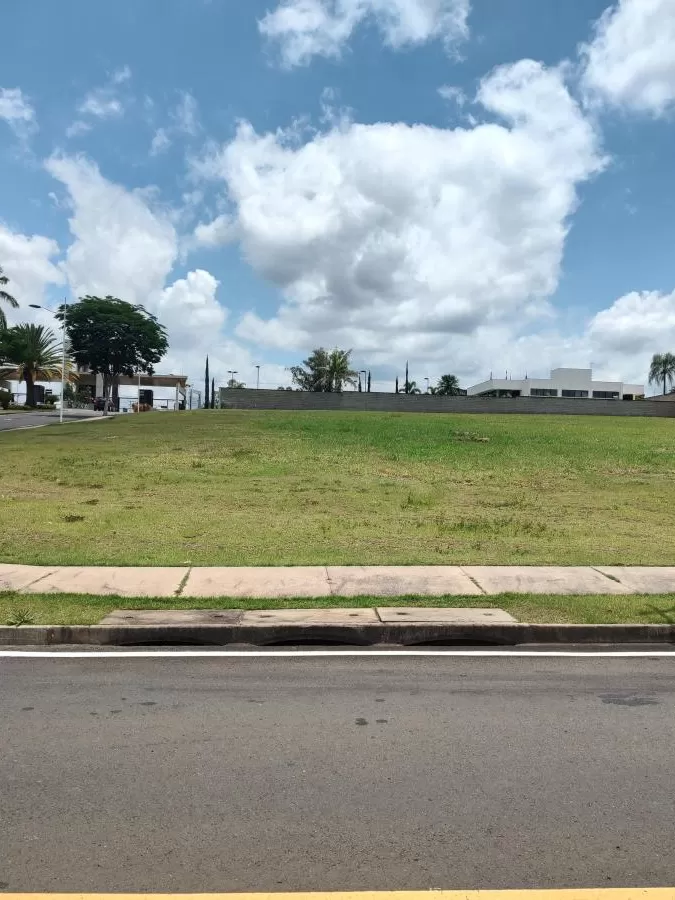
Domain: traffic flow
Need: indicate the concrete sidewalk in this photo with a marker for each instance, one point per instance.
(337, 581)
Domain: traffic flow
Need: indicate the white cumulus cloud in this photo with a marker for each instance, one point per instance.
(125, 244)
(221, 230)
(122, 246)
(630, 62)
(397, 239)
(28, 262)
(638, 324)
(16, 111)
(101, 103)
(307, 28)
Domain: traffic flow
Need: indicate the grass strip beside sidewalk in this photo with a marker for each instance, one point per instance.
(588, 609)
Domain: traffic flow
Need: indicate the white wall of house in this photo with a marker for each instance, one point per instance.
(568, 380)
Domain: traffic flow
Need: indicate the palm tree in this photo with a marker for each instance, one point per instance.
(339, 370)
(448, 386)
(412, 388)
(32, 353)
(662, 370)
(5, 298)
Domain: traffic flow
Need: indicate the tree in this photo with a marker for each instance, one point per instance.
(340, 371)
(396, 384)
(32, 353)
(111, 337)
(324, 371)
(206, 384)
(407, 383)
(233, 384)
(213, 393)
(412, 388)
(360, 388)
(448, 386)
(368, 388)
(5, 298)
(662, 370)
(313, 374)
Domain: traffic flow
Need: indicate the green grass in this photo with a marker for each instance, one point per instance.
(278, 488)
(87, 609)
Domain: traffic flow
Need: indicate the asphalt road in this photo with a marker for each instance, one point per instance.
(335, 774)
(15, 421)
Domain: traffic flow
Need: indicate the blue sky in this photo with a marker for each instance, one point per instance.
(453, 182)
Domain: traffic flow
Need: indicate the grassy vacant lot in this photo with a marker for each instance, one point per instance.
(259, 488)
(85, 609)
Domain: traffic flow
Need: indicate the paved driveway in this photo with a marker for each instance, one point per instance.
(15, 421)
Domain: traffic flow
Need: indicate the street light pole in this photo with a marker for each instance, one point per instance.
(63, 361)
(257, 382)
(427, 381)
(63, 358)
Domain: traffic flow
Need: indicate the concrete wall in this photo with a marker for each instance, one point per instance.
(353, 400)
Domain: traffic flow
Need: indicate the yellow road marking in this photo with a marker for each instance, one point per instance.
(568, 894)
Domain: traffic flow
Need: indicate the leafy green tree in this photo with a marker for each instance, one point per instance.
(233, 384)
(412, 388)
(213, 393)
(368, 388)
(407, 383)
(111, 337)
(662, 370)
(206, 384)
(324, 371)
(5, 298)
(340, 371)
(312, 375)
(396, 386)
(448, 386)
(32, 353)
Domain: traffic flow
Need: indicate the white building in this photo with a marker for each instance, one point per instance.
(562, 383)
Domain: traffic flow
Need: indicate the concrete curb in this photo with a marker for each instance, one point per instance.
(403, 633)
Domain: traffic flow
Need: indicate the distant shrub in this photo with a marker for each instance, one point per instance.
(5, 399)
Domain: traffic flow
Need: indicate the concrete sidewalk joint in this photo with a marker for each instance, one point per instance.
(280, 582)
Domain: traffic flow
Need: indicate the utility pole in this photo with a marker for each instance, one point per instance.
(257, 381)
